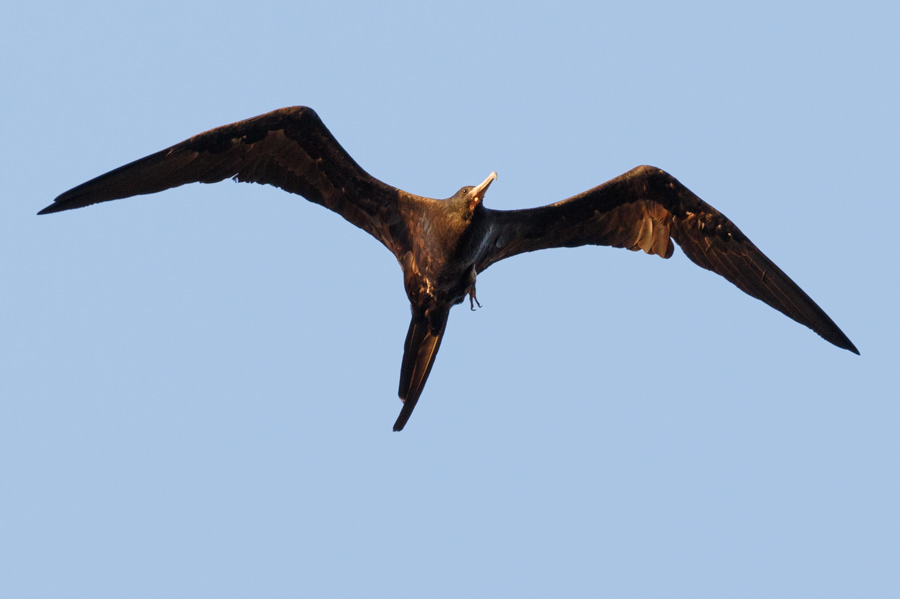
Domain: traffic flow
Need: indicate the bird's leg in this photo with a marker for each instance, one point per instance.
(471, 290)
(472, 299)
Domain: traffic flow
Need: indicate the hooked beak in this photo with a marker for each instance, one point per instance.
(477, 194)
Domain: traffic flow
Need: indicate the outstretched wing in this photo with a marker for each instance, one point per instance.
(289, 148)
(646, 208)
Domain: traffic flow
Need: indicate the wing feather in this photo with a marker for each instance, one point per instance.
(289, 148)
(645, 209)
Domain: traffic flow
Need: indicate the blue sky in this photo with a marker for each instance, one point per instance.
(197, 388)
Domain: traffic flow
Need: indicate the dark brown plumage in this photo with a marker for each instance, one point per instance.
(442, 245)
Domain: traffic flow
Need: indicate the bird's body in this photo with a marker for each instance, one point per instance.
(443, 245)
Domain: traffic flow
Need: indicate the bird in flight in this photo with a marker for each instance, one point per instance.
(443, 245)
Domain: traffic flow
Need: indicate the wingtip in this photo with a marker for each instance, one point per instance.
(842, 341)
(49, 209)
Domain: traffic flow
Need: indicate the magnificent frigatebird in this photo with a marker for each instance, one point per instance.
(443, 245)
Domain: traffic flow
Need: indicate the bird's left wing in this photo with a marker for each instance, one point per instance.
(645, 209)
(289, 148)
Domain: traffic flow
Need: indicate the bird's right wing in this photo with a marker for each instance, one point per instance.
(645, 209)
(289, 148)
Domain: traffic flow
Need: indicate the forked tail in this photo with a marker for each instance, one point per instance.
(422, 343)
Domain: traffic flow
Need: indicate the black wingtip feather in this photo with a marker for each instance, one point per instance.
(845, 343)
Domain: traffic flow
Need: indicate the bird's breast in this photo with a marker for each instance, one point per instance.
(438, 269)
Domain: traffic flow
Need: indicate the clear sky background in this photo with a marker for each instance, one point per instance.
(197, 388)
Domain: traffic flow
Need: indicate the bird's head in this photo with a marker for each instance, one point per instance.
(473, 196)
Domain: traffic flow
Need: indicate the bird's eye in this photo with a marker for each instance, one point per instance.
(464, 191)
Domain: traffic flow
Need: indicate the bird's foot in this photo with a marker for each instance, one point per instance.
(472, 299)
(470, 289)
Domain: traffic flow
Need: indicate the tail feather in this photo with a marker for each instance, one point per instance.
(422, 343)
